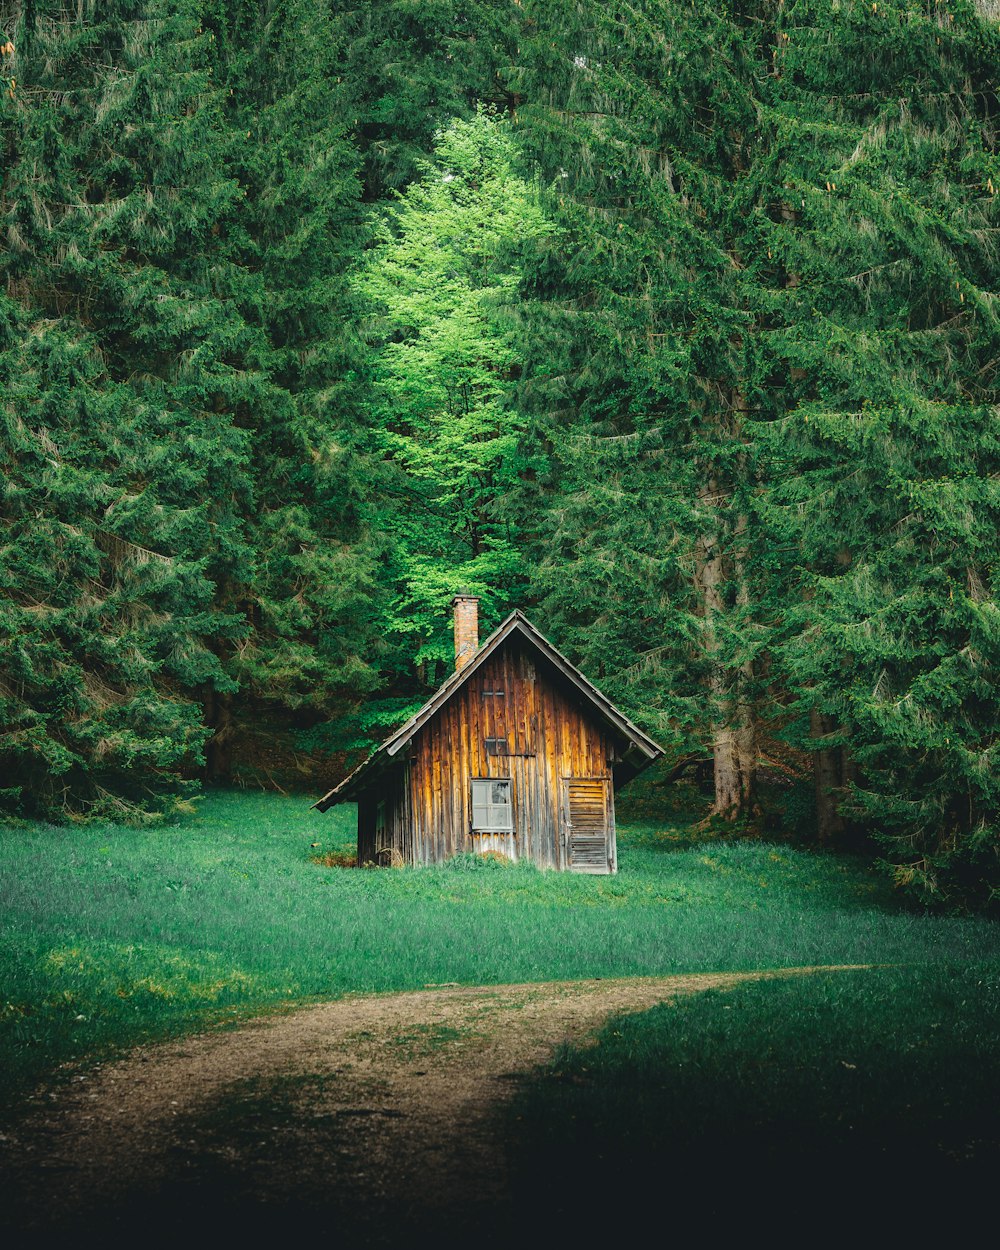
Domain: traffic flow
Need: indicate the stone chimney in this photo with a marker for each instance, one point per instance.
(466, 628)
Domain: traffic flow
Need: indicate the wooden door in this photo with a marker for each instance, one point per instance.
(588, 823)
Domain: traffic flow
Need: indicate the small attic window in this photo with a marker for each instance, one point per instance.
(497, 746)
(492, 808)
(490, 693)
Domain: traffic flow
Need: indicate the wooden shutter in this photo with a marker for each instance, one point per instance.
(586, 806)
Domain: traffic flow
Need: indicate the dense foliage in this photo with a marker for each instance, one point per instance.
(674, 324)
(443, 273)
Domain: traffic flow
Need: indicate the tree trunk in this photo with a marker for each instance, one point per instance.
(734, 739)
(735, 768)
(826, 778)
(219, 748)
(833, 769)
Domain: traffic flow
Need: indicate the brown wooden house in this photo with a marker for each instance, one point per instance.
(517, 753)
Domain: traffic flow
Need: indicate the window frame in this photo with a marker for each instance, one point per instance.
(491, 825)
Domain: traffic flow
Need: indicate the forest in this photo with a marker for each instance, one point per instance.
(673, 324)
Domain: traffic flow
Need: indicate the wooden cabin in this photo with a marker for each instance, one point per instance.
(516, 753)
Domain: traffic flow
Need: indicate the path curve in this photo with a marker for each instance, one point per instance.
(379, 1103)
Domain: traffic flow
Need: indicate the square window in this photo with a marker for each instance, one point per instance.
(492, 806)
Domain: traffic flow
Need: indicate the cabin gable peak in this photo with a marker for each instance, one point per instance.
(637, 748)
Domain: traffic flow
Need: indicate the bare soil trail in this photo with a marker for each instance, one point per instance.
(364, 1116)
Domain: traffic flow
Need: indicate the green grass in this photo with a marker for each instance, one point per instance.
(111, 935)
(848, 1099)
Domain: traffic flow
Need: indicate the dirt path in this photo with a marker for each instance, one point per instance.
(370, 1114)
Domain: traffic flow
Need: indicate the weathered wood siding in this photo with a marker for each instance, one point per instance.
(541, 737)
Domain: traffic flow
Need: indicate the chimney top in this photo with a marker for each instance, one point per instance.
(466, 628)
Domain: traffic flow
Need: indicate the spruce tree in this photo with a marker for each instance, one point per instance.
(125, 474)
(310, 596)
(876, 264)
(407, 68)
(641, 120)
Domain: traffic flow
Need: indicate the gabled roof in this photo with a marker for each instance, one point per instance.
(516, 624)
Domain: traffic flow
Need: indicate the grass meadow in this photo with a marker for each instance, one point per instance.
(846, 1103)
(113, 935)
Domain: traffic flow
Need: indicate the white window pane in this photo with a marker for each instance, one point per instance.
(501, 817)
(492, 805)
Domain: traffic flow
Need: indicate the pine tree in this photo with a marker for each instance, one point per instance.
(311, 596)
(124, 474)
(882, 351)
(812, 225)
(408, 68)
(641, 120)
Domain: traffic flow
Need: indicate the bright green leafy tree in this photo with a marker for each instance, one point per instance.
(445, 270)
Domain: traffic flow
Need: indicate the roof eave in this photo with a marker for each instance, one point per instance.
(514, 622)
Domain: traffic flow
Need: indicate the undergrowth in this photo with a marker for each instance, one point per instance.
(111, 934)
